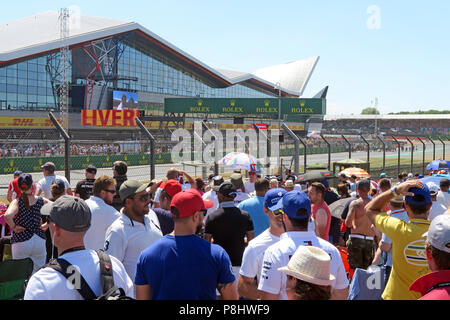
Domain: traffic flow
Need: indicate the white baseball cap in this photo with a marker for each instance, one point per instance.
(438, 234)
(433, 187)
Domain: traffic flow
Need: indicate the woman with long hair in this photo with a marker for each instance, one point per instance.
(308, 274)
(24, 218)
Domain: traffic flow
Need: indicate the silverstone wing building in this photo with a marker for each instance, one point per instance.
(108, 55)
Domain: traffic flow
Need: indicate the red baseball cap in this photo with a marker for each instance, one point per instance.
(189, 202)
(171, 187)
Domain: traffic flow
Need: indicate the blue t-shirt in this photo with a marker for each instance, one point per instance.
(183, 268)
(255, 207)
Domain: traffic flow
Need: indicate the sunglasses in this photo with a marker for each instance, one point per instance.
(144, 197)
(277, 212)
(110, 191)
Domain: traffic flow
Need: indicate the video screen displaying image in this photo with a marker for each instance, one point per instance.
(123, 100)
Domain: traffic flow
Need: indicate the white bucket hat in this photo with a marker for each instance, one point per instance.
(310, 264)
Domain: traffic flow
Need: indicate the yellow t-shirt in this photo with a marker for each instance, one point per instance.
(409, 260)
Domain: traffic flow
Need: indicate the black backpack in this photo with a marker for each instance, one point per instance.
(109, 290)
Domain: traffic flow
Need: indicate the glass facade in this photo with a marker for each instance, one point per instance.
(27, 85)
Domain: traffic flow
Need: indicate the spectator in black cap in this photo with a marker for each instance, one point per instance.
(229, 226)
(120, 169)
(84, 187)
(24, 219)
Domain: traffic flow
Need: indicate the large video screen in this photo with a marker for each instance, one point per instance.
(123, 100)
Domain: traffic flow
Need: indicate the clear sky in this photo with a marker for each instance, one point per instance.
(394, 50)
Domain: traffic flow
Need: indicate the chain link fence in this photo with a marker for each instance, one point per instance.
(28, 149)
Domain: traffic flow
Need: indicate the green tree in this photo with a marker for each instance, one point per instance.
(370, 111)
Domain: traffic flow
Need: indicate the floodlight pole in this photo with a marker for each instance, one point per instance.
(152, 146)
(384, 152)
(423, 155)
(66, 137)
(412, 153)
(329, 151)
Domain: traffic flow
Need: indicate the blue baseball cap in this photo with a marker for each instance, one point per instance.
(325, 183)
(272, 197)
(421, 196)
(292, 202)
(17, 173)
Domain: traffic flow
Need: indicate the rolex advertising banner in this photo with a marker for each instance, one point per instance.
(244, 106)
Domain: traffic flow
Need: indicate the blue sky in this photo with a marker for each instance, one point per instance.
(399, 52)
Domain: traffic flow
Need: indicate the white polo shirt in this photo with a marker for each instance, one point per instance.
(444, 198)
(49, 284)
(249, 187)
(436, 209)
(102, 217)
(211, 195)
(278, 255)
(45, 184)
(254, 253)
(126, 239)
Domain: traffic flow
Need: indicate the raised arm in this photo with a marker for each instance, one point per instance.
(377, 205)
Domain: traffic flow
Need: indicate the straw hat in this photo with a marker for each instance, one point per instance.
(310, 264)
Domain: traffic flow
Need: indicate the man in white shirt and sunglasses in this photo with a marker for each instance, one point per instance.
(135, 229)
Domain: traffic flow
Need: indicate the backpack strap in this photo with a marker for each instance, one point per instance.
(106, 272)
(61, 266)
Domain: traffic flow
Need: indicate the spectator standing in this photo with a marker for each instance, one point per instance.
(296, 208)
(308, 274)
(250, 272)
(335, 223)
(120, 170)
(212, 194)
(168, 190)
(24, 219)
(396, 211)
(255, 207)
(134, 231)
(408, 246)
(444, 195)
(84, 187)
(289, 185)
(320, 211)
(436, 285)
(249, 186)
(353, 182)
(228, 226)
(436, 207)
(13, 187)
(361, 239)
(343, 191)
(205, 266)
(44, 185)
(103, 214)
(69, 219)
(241, 195)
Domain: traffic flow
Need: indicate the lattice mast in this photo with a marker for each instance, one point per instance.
(63, 91)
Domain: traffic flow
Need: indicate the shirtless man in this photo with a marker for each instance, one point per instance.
(360, 242)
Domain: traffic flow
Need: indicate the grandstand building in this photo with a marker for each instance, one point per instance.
(398, 124)
(110, 57)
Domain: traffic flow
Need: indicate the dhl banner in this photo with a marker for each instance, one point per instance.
(109, 118)
(23, 122)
